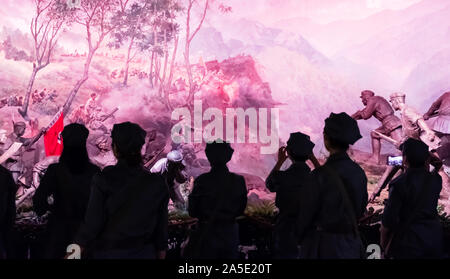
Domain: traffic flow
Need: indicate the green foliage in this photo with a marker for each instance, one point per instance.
(178, 216)
(261, 209)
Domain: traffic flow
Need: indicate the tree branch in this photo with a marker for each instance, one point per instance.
(201, 21)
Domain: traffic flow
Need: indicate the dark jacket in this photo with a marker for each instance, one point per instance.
(7, 206)
(327, 222)
(127, 215)
(70, 193)
(218, 197)
(291, 187)
(420, 235)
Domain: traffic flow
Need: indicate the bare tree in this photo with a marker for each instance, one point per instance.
(44, 27)
(189, 37)
(95, 16)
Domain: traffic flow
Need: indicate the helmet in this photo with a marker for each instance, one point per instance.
(175, 156)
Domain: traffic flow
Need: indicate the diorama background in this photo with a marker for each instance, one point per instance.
(317, 56)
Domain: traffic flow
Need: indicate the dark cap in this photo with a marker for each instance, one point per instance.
(128, 137)
(415, 151)
(75, 135)
(342, 127)
(20, 124)
(367, 93)
(218, 152)
(299, 145)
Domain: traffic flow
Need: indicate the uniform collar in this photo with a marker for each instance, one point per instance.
(219, 168)
(296, 165)
(340, 156)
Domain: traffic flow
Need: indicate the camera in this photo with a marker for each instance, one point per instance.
(394, 160)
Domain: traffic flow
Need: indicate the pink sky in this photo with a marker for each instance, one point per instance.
(18, 13)
(320, 11)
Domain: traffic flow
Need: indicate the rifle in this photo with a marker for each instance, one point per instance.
(109, 114)
(153, 160)
(386, 138)
(387, 176)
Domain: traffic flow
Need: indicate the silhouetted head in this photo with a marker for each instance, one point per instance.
(299, 147)
(340, 132)
(127, 141)
(19, 128)
(415, 153)
(218, 152)
(366, 95)
(74, 154)
(396, 100)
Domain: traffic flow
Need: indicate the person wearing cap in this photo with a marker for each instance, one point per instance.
(91, 105)
(69, 182)
(172, 169)
(15, 163)
(217, 199)
(127, 215)
(338, 198)
(379, 108)
(414, 126)
(413, 123)
(410, 225)
(7, 208)
(289, 186)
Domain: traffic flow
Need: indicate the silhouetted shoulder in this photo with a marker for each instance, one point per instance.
(94, 167)
(108, 170)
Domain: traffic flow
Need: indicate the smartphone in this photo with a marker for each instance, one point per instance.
(394, 160)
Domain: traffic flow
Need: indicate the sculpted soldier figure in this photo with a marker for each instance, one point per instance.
(379, 108)
(413, 126)
(172, 169)
(105, 157)
(91, 104)
(439, 120)
(14, 163)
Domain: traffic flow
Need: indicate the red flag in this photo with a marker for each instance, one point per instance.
(52, 138)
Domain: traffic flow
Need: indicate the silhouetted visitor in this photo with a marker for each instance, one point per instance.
(338, 198)
(127, 214)
(7, 208)
(69, 183)
(218, 197)
(410, 224)
(289, 186)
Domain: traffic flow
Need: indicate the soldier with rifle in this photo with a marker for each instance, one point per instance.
(379, 108)
(414, 126)
(14, 147)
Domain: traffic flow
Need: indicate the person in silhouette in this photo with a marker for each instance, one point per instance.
(69, 183)
(288, 186)
(338, 198)
(218, 197)
(127, 215)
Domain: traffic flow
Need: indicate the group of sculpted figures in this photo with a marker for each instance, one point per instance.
(432, 128)
(419, 138)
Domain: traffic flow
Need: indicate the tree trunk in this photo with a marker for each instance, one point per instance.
(172, 62)
(127, 62)
(166, 58)
(80, 82)
(150, 74)
(157, 68)
(189, 72)
(24, 110)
